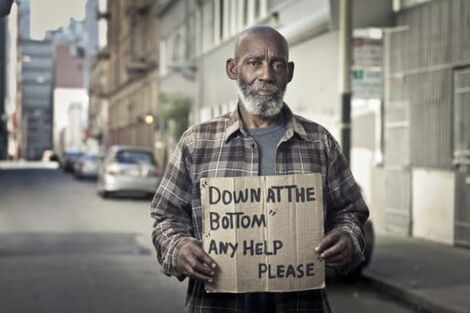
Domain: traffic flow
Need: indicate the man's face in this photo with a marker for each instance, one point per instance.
(262, 74)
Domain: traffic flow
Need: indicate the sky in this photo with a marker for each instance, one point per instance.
(52, 14)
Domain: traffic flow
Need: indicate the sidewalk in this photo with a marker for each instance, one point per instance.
(431, 276)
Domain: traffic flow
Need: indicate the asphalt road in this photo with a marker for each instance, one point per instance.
(64, 249)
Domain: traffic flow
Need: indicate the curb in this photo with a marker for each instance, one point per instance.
(411, 298)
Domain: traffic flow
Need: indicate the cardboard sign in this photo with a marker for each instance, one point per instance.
(262, 231)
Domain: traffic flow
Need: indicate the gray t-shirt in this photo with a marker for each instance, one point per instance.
(267, 140)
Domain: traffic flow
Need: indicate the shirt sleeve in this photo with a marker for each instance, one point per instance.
(346, 208)
(171, 209)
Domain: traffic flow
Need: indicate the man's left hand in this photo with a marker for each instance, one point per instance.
(335, 248)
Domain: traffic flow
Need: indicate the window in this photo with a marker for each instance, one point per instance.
(257, 8)
(134, 157)
(163, 48)
(245, 12)
(221, 19)
(176, 48)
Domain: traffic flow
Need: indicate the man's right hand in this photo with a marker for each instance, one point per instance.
(194, 262)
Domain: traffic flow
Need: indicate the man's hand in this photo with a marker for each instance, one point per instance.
(335, 248)
(194, 262)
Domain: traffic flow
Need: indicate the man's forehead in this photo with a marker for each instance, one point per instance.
(261, 44)
(266, 54)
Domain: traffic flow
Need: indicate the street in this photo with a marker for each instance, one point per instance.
(65, 249)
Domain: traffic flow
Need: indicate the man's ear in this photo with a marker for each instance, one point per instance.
(290, 66)
(232, 69)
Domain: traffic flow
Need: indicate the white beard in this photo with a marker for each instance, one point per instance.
(266, 106)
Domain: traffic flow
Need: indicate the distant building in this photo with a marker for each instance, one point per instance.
(73, 34)
(12, 96)
(69, 88)
(74, 131)
(25, 18)
(3, 89)
(37, 84)
(91, 31)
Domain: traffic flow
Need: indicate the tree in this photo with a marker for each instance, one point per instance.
(175, 107)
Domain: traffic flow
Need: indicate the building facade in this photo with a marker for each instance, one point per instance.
(98, 96)
(3, 89)
(133, 74)
(37, 88)
(427, 122)
(69, 89)
(12, 105)
(24, 26)
(91, 30)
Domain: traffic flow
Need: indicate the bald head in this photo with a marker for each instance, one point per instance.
(262, 70)
(258, 35)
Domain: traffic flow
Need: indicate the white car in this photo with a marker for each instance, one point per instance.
(129, 170)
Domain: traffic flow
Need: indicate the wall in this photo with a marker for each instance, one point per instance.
(433, 204)
(313, 92)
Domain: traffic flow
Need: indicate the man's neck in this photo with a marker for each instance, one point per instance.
(256, 121)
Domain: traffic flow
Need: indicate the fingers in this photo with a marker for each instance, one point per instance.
(195, 263)
(335, 249)
(337, 259)
(197, 270)
(205, 258)
(329, 240)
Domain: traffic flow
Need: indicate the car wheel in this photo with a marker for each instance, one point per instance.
(104, 194)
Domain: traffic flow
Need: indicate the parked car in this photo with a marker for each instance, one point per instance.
(128, 169)
(68, 160)
(87, 165)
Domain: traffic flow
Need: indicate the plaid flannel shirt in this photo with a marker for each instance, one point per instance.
(222, 148)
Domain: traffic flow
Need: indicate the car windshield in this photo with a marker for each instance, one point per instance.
(91, 157)
(73, 155)
(134, 157)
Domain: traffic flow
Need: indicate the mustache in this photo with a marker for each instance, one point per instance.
(258, 85)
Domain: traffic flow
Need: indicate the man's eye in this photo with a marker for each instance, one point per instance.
(278, 66)
(254, 63)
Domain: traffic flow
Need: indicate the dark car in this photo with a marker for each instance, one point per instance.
(68, 160)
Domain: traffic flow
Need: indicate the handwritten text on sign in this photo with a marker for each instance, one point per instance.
(262, 232)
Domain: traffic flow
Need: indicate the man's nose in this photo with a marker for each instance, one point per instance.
(266, 73)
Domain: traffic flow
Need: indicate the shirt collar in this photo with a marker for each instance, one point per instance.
(235, 125)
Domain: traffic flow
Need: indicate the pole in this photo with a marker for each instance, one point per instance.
(345, 32)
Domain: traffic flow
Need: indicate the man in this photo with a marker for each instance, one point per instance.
(261, 137)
